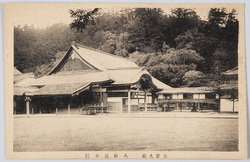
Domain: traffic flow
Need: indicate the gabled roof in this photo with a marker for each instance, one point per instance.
(103, 60)
(96, 59)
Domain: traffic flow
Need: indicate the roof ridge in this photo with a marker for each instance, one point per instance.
(128, 68)
(78, 72)
(103, 52)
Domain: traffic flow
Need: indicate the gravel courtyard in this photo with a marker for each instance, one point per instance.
(104, 133)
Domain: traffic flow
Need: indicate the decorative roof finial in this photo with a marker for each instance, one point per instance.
(74, 44)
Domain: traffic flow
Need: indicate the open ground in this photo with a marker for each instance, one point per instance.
(140, 132)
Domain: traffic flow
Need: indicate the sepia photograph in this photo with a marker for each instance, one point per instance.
(102, 81)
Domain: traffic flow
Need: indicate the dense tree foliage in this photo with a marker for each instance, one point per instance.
(179, 49)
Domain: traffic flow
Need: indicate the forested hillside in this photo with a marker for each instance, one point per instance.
(179, 48)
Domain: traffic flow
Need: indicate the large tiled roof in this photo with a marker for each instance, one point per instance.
(126, 76)
(68, 78)
(160, 84)
(61, 89)
(19, 91)
(107, 68)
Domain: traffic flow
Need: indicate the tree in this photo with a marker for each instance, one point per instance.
(82, 18)
(194, 78)
(145, 29)
(202, 44)
(222, 24)
(217, 17)
(168, 45)
(34, 47)
(169, 67)
(182, 20)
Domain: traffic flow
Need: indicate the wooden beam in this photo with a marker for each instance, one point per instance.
(129, 101)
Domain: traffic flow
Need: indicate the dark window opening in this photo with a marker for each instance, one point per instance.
(210, 96)
(117, 94)
(187, 96)
(168, 96)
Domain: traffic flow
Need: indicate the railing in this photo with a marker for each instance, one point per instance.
(92, 110)
(150, 107)
(210, 101)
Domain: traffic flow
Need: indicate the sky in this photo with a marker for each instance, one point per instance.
(42, 15)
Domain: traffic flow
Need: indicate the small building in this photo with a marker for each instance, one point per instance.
(89, 81)
(189, 98)
(229, 91)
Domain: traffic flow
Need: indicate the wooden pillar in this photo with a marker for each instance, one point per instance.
(69, 107)
(27, 99)
(233, 102)
(153, 97)
(177, 106)
(101, 99)
(14, 107)
(101, 96)
(129, 101)
(219, 108)
(145, 102)
(199, 106)
(138, 102)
